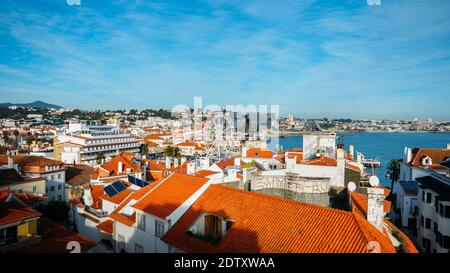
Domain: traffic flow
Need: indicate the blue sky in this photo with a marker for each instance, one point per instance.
(313, 58)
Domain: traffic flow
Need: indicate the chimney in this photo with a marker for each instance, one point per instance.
(232, 173)
(375, 207)
(190, 168)
(144, 172)
(290, 162)
(340, 181)
(246, 174)
(10, 161)
(358, 157)
(408, 155)
(244, 151)
(237, 162)
(448, 146)
(351, 151)
(119, 167)
(168, 162)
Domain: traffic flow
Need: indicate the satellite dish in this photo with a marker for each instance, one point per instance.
(374, 181)
(351, 186)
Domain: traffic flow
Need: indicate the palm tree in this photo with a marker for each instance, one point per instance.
(393, 172)
(172, 152)
(100, 158)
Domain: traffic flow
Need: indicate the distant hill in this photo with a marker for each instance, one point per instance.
(35, 104)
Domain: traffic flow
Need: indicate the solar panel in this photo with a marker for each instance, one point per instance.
(110, 191)
(137, 182)
(131, 179)
(118, 186)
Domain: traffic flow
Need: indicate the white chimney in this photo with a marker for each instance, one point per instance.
(290, 162)
(246, 174)
(359, 158)
(375, 207)
(408, 155)
(10, 161)
(448, 146)
(119, 167)
(87, 197)
(351, 151)
(237, 161)
(190, 168)
(340, 181)
(244, 151)
(168, 162)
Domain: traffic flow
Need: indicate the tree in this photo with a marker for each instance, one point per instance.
(144, 149)
(393, 172)
(171, 151)
(100, 158)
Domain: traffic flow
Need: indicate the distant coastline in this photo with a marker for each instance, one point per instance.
(300, 133)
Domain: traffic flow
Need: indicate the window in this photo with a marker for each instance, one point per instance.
(138, 248)
(60, 197)
(59, 176)
(422, 221)
(213, 228)
(423, 196)
(52, 177)
(428, 223)
(446, 211)
(436, 205)
(52, 188)
(141, 222)
(428, 200)
(34, 189)
(435, 228)
(59, 187)
(159, 229)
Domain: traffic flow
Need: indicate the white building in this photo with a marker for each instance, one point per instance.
(83, 142)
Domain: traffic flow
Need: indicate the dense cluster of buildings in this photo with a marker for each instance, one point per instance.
(290, 123)
(161, 186)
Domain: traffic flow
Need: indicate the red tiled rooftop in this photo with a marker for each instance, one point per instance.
(270, 224)
(169, 194)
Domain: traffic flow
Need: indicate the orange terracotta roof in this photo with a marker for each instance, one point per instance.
(30, 160)
(269, 224)
(436, 155)
(151, 143)
(322, 161)
(227, 162)
(130, 220)
(353, 167)
(127, 162)
(205, 173)
(13, 212)
(259, 153)
(170, 194)
(106, 226)
(407, 245)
